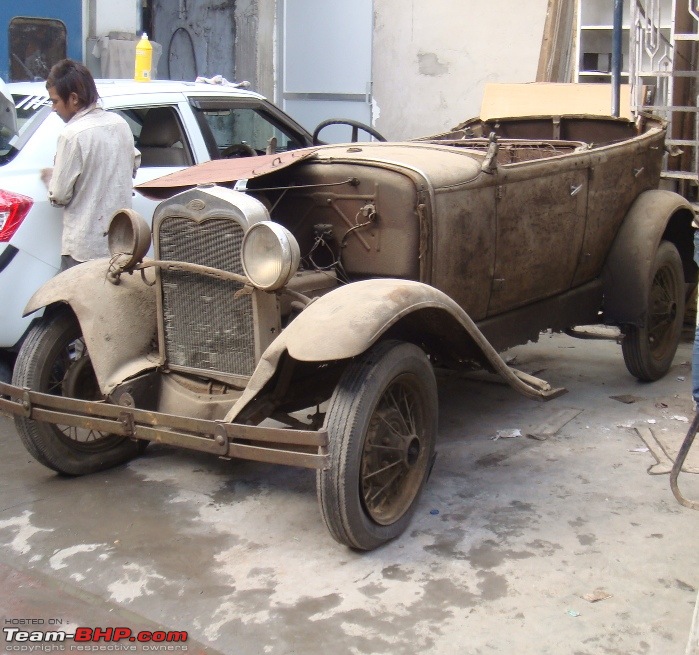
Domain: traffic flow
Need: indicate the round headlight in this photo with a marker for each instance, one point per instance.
(270, 255)
(128, 238)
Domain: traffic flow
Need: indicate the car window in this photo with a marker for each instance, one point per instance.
(31, 111)
(158, 134)
(228, 124)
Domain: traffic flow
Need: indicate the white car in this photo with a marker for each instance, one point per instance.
(175, 124)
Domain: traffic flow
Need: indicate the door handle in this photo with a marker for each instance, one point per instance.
(575, 190)
(638, 171)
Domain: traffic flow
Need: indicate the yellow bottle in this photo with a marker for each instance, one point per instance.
(144, 60)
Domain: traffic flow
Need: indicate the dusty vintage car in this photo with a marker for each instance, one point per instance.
(298, 303)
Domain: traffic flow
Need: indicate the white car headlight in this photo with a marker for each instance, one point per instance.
(270, 255)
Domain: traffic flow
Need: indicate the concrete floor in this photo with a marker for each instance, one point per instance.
(507, 539)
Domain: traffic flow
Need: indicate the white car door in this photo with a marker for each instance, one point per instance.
(168, 138)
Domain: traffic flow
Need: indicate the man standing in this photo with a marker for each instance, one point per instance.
(94, 167)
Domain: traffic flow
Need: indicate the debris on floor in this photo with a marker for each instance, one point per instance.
(627, 399)
(596, 596)
(507, 434)
(553, 424)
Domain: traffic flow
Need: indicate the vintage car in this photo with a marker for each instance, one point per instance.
(298, 303)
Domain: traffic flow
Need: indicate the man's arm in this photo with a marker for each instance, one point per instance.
(66, 171)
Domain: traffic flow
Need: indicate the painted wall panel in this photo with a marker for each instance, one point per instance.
(432, 58)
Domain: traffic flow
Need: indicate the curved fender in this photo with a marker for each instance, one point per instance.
(627, 271)
(347, 321)
(118, 321)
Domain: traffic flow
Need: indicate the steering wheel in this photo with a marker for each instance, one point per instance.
(238, 150)
(355, 125)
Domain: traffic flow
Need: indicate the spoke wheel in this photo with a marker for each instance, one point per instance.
(54, 360)
(382, 425)
(649, 349)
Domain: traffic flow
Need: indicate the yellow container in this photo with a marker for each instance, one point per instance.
(144, 60)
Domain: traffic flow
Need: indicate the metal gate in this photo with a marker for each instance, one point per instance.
(325, 62)
(664, 79)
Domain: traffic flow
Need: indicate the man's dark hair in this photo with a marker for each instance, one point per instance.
(68, 76)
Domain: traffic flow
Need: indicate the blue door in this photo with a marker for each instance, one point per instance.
(35, 34)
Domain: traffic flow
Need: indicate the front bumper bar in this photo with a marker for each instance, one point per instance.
(304, 448)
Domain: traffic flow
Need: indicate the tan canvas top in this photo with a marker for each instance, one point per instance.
(552, 99)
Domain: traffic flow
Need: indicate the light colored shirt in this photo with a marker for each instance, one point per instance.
(92, 179)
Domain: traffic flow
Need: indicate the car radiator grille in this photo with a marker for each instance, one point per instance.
(205, 326)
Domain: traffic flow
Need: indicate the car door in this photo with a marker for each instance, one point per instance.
(164, 137)
(541, 212)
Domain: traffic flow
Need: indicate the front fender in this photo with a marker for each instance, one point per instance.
(118, 322)
(347, 321)
(655, 215)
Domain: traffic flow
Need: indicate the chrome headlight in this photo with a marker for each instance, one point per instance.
(270, 255)
(128, 238)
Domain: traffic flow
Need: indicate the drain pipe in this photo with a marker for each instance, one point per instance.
(616, 55)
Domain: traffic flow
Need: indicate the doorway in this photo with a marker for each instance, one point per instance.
(325, 49)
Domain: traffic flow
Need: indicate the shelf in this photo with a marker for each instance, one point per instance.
(610, 28)
(599, 74)
(601, 28)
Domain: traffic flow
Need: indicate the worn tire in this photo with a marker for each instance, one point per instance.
(5, 369)
(649, 349)
(50, 355)
(383, 413)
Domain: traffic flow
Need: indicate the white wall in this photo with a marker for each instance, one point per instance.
(431, 58)
(117, 16)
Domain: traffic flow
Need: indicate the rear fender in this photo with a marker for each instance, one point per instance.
(347, 321)
(655, 215)
(118, 321)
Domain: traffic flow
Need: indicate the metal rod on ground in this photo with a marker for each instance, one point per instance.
(616, 55)
(679, 461)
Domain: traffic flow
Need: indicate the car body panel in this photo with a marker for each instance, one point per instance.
(107, 314)
(625, 276)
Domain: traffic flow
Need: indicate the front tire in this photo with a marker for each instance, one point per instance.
(53, 359)
(382, 428)
(649, 349)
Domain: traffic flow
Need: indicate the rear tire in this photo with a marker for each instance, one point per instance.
(649, 349)
(382, 428)
(53, 359)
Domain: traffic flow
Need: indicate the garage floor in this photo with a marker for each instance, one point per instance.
(509, 536)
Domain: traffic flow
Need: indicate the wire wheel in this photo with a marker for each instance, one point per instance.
(394, 460)
(72, 376)
(650, 348)
(382, 428)
(54, 360)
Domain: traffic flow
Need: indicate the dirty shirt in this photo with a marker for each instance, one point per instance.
(92, 178)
